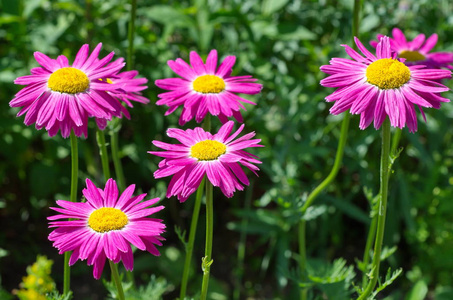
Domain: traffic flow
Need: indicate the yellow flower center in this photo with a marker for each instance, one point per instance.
(412, 55)
(107, 219)
(209, 84)
(387, 73)
(68, 80)
(207, 150)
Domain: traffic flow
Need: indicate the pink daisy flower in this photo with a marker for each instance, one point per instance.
(105, 225)
(203, 88)
(60, 96)
(417, 51)
(217, 156)
(379, 86)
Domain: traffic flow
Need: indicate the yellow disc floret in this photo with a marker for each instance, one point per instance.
(68, 80)
(107, 219)
(207, 84)
(207, 150)
(387, 73)
(412, 55)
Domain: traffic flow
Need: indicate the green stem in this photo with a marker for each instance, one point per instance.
(104, 154)
(372, 231)
(73, 198)
(396, 140)
(116, 157)
(312, 196)
(333, 173)
(382, 209)
(336, 165)
(116, 279)
(74, 167)
(303, 257)
(356, 21)
(192, 233)
(207, 259)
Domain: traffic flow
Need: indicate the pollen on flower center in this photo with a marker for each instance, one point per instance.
(68, 80)
(209, 84)
(387, 73)
(107, 219)
(412, 55)
(207, 150)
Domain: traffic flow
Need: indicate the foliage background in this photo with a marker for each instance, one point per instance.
(282, 43)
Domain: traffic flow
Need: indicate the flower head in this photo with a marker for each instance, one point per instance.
(60, 96)
(105, 225)
(379, 86)
(205, 88)
(417, 51)
(217, 156)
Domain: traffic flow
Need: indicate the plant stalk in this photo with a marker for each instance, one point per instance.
(207, 259)
(117, 280)
(312, 196)
(190, 243)
(382, 210)
(100, 137)
(73, 198)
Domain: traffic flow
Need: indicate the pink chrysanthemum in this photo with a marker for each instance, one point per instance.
(60, 96)
(417, 51)
(204, 88)
(382, 85)
(217, 156)
(104, 226)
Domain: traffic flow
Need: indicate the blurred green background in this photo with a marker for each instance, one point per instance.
(282, 43)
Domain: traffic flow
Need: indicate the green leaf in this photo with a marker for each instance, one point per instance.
(169, 15)
(444, 293)
(387, 252)
(7, 18)
(313, 212)
(182, 236)
(419, 291)
(270, 6)
(389, 278)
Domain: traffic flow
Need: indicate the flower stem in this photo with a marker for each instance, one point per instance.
(395, 140)
(303, 257)
(73, 198)
(333, 173)
(115, 155)
(104, 154)
(207, 259)
(382, 209)
(312, 196)
(372, 231)
(116, 279)
(192, 233)
(336, 165)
